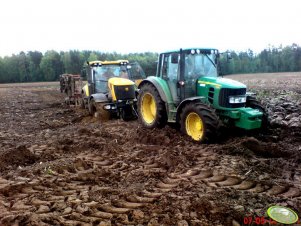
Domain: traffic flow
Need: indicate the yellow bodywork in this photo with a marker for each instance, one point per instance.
(108, 62)
(194, 126)
(148, 108)
(115, 81)
(86, 90)
(138, 81)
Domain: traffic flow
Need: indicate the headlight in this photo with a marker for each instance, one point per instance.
(107, 107)
(237, 99)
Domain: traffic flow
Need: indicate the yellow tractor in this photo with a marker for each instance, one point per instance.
(111, 89)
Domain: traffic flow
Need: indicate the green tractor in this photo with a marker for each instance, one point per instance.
(188, 91)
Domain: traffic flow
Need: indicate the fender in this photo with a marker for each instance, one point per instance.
(100, 97)
(186, 101)
(161, 86)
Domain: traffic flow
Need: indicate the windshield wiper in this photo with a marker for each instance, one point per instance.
(210, 60)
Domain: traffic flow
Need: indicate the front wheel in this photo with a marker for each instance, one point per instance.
(127, 113)
(91, 106)
(199, 122)
(151, 108)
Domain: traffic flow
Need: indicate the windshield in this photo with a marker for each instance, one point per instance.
(200, 65)
(103, 73)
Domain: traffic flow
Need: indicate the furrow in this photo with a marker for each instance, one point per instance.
(230, 181)
(162, 185)
(216, 178)
(113, 209)
(245, 185)
(129, 205)
(276, 190)
(292, 193)
(139, 199)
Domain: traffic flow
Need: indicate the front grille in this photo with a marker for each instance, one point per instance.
(211, 95)
(225, 93)
(125, 92)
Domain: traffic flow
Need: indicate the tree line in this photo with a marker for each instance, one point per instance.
(35, 66)
(271, 59)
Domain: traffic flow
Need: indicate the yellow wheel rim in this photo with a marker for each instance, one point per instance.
(194, 126)
(148, 108)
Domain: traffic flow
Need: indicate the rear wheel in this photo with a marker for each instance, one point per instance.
(151, 108)
(199, 122)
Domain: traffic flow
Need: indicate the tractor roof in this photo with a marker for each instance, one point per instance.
(188, 50)
(116, 62)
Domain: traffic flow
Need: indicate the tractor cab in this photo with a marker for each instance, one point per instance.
(192, 73)
(182, 69)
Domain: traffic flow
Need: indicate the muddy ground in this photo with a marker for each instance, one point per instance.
(59, 166)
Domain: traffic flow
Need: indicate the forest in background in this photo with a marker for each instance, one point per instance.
(35, 66)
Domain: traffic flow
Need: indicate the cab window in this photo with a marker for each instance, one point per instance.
(169, 69)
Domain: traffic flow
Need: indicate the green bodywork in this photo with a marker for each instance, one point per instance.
(205, 83)
(207, 89)
(243, 117)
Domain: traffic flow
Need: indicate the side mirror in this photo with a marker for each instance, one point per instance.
(229, 56)
(175, 58)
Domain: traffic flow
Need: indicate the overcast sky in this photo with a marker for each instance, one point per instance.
(147, 25)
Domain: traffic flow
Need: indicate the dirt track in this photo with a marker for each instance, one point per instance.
(59, 166)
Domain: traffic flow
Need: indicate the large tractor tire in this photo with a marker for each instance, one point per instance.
(94, 108)
(199, 122)
(255, 104)
(151, 108)
(102, 114)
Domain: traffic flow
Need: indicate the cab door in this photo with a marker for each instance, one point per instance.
(170, 73)
(90, 79)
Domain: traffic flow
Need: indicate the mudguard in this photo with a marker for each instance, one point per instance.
(161, 86)
(85, 90)
(186, 101)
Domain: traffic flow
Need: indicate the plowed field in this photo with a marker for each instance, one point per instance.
(60, 166)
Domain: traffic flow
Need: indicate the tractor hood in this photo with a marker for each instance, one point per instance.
(218, 82)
